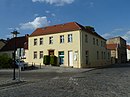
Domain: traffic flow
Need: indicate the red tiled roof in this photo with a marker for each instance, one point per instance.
(111, 46)
(128, 47)
(10, 44)
(71, 26)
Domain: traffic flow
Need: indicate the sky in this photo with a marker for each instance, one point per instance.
(110, 18)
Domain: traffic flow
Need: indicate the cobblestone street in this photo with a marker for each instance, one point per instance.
(113, 81)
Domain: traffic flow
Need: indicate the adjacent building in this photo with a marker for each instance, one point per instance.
(117, 46)
(15, 43)
(2, 43)
(73, 44)
(128, 53)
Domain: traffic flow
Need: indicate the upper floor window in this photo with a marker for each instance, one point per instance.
(101, 43)
(97, 41)
(41, 54)
(104, 44)
(86, 38)
(35, 41)
(51, 40)
(41, 41)
(94, 41)
(35, 55)
(62, 39)
(69, 37)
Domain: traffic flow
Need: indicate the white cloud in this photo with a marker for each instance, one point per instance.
(36, 23)
(116, 32)
(55, 2)
(16, 28)
(47, 11)
(35, 15)
(91, 4)
(50, 13)
(53, 14)
(106, 35)
(126, 36)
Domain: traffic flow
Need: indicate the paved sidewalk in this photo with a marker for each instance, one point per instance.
(45, 69)
(60, 69)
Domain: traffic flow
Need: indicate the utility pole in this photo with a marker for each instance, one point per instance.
(14, 33)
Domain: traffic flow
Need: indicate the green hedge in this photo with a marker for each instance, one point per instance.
(46, 59)
(5, 61)
(50, 60)
(53, 60)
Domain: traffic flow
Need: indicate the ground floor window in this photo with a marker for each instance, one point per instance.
(35, 55)
(41, 54)
(87, 57)
(61, 57)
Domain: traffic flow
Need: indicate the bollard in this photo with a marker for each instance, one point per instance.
(40, 66)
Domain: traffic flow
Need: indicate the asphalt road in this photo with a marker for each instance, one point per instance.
(106, 82)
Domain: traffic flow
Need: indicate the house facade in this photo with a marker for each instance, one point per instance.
(73, 44)
(117, 46)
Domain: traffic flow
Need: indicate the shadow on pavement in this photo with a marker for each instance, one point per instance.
(122, 65)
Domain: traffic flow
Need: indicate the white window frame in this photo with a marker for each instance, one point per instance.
(41, 41)
(51, 40)
(40, 54)
(35, 41)
(70, 38)
(62, 39)
(35, 55)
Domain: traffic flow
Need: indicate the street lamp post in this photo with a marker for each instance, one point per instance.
(14, 33)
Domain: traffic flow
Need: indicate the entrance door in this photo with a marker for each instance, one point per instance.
(51, 52)
(61, 58)
(70, 57)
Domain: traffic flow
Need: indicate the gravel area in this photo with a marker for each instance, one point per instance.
(107, 82)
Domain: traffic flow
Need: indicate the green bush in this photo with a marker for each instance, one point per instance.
(5, 61)
(53, 60)
(46, 59)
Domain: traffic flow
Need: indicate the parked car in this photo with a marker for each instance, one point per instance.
(22, 64)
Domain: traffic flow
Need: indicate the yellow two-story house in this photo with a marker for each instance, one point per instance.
(74, 45)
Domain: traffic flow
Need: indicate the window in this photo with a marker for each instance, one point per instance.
(97, 55)
(50, 40)
(102, 54)
(104, 44)
(41, 54)
(97, 41)
(86, 38)
(41, 41)
(87, 57)
(70, 38)
(35, 55)
(101, 43)
(108, 56)
(94, 41)
(62, 39)
(35, 41)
